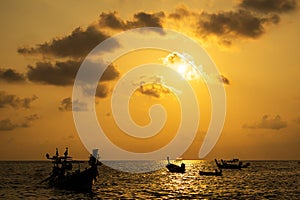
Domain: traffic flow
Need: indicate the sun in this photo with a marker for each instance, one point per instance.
(181, 65)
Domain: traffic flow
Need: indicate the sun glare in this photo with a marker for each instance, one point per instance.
(182, 65)
(182, 69)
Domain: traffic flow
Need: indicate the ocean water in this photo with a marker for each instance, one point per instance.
(262, 180)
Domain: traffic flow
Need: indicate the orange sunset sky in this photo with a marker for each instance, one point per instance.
(254, 44)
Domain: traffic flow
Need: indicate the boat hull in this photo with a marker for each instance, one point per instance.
(175, 168)
(202, 173)
(81, 181)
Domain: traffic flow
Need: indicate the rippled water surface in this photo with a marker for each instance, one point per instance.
(262, 180)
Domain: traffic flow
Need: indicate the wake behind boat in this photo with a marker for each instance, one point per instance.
(175, 168)
(63, 176)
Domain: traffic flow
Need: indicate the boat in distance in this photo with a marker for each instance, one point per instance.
(211, 173)
(223, 164)
(175, 168)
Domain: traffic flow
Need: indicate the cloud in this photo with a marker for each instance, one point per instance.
(63, 73)
(15, 101)
(275, 123)
(181, 11)
(78, 44)
(267, 6)
(102, 91)
(154, 90)
(59, 73)
(66, 105)
(28, 120)
(153, 86)
(240, 22)
(230, 24)
(244, 21)
(297, 120)
(11, 76)
(141, 19)
(224, 80)
(110, 73)
(8, 125)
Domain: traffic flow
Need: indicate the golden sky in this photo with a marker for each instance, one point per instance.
(254, 44)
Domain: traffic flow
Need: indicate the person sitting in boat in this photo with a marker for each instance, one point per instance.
(62, 172)
(92, 160)
(182, 165)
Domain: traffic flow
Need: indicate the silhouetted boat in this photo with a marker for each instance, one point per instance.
(175, 168)
(224, 165)
(234, 160)
(231, 165)
(63, 176)
(215, 173)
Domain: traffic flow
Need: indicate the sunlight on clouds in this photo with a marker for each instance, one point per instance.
(182, 65)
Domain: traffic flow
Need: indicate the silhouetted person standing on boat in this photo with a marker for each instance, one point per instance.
(66, 152)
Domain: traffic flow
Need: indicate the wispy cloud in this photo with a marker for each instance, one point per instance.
(275, 123)
(28, 120)
(9, 125)
(297, 120)
(67, 105)
(10, 100)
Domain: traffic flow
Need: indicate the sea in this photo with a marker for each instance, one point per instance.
(261, 180)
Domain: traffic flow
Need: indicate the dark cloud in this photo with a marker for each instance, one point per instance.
(110, 73)
(111, 20)
(15, 101)
(60, 73)
(267, 6)
(102, 91)
(142, 19)
(63, 73)
(11, 76)
(275, 123)
(78, 44)
(224, 80)
(239, 23)
(66, 105)
(154, 90)
(7, 125)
